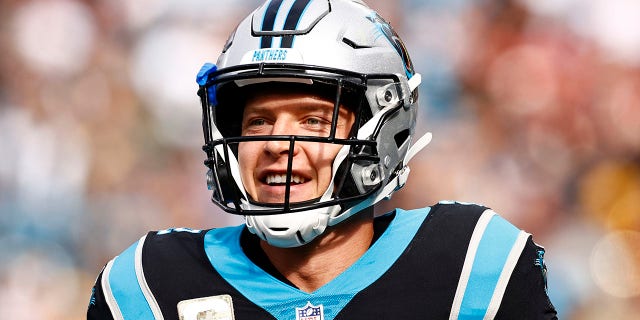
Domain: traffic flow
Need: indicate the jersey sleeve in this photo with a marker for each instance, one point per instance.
(526, 293)
(98, 308)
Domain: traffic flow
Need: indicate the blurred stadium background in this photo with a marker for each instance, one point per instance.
(534, 106)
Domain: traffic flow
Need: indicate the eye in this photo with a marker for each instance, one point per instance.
(254, 126)
(314, 121)
(256, 122)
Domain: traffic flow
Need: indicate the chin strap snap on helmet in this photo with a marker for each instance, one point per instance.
(341, 49)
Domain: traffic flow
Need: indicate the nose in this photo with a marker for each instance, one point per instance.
(280, 147)
(277, 147)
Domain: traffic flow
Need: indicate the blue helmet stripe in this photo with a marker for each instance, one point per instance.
(293, 18)
(269, 21)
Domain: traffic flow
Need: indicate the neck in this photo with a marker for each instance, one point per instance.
(311, 266)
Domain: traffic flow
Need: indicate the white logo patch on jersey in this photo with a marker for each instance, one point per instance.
(310, 312)
(208, 308)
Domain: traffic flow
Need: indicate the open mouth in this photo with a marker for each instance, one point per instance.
(281, 179)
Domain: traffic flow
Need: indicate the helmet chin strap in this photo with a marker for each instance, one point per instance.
(401, 178)
(414, 81)
(418, 146)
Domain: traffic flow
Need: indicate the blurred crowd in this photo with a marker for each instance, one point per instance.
(534, 106)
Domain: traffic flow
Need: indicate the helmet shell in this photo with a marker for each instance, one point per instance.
(339, 34)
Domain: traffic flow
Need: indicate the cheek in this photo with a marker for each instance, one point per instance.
(247, 157)
(322, 156)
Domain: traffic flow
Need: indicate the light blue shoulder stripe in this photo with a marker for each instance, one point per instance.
(491, 256)
(125, 288)
(223, 249)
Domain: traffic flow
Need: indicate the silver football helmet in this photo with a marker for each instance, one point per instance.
(339, 49)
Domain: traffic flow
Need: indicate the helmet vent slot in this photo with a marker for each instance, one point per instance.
(353, 44)
(401, 137)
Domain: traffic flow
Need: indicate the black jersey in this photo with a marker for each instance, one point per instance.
(449, 261)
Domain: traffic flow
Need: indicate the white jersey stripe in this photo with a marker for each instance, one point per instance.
(478, 231)
(505, 275)
(146, 291)
(108, 294)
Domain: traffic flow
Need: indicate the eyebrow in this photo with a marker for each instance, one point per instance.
(305, 105)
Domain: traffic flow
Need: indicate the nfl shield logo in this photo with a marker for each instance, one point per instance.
(310, 312)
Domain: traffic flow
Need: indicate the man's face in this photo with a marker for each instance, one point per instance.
(263, 164)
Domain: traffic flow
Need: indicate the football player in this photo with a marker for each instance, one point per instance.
(309, 120)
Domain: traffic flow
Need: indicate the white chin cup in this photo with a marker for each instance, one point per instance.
(293, 229)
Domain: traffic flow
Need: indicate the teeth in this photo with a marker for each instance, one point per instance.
(282, 178)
